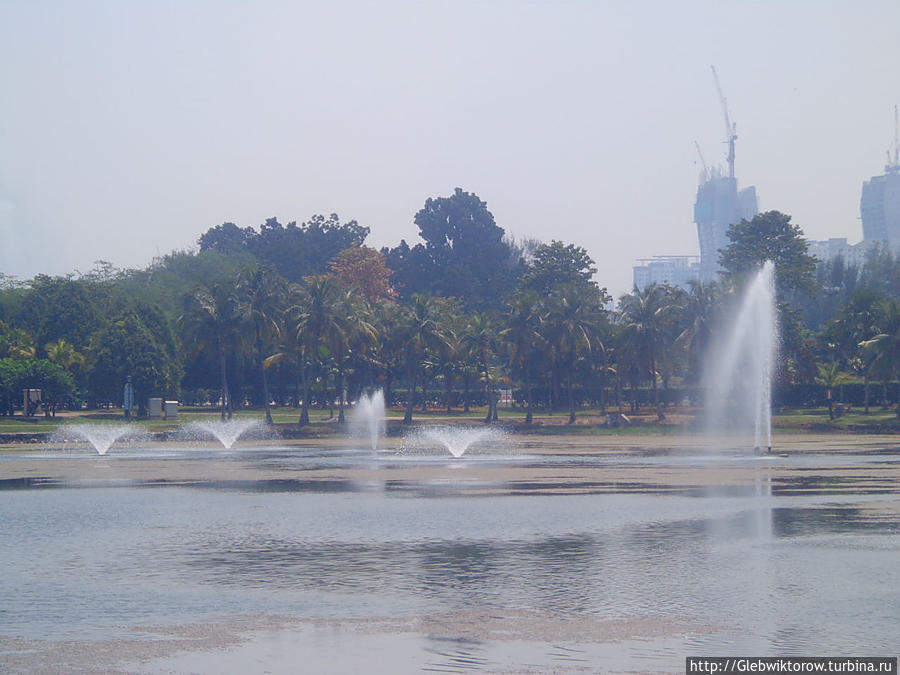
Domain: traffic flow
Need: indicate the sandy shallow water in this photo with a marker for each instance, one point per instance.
(564, 554)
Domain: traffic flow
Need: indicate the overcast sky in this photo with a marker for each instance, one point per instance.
(129, 128)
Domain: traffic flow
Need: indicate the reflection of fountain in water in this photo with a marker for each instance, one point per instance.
(743, 369)
(368, 417)
(100, 436)
(226, 432)
(457, 440)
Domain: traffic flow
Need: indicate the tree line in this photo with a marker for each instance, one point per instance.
(306, 314)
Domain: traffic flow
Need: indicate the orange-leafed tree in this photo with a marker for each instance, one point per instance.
(365, 269)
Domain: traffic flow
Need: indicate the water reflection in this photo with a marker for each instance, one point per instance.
(750, 562)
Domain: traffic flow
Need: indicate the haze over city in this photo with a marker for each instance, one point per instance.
(128, 129)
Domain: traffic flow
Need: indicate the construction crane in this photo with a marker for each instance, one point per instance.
(894, 167)
(706, 174)
(730, 127)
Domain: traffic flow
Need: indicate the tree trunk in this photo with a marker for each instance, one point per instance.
(265, 378)
(659, 413)
(603, 397)
(528, 415)
(619, 393)
(424, 390)
(410, 389)
(448, 381)
(304, 398)
(388, 382)
(466, 383)
(866, 392)
(898, 391)
(226, 397)
(634, 400)
(487, 388)
(340, 394)
(571, 396)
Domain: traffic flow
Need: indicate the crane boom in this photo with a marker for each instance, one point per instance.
(730, 127)
(893, 153)
(706, 174)
(896, 140)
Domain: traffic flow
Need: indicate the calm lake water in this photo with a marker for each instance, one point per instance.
(787, 564)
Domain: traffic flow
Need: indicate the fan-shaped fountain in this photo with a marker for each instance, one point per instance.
(100, 436)
(457, 440)
(226, 432)
(368, 417)
(741, 373)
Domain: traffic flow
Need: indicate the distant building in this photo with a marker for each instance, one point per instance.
(880, 201)
(719, 205)
(880, 208)
(853, 254)
(670, 270)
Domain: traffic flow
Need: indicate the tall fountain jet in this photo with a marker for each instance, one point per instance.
(740, 376)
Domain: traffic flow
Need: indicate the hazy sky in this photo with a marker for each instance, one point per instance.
(127, 128)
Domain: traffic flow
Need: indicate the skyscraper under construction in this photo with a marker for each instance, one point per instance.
(720, 203)
(880, 202)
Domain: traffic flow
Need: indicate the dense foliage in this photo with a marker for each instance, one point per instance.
(303, 315)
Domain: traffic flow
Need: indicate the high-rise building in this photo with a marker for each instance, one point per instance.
(880, 208)
(719, 205)
(880, 202)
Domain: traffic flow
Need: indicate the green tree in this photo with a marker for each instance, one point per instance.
(420, 331)
(61, 307)
(857, 321)
(770, 236)
(557, 264)
(125, 347)
(211, 322)
(698, 320)
(56, 385)
(63, 353)
(260, 303)
(524, 342)
(464, 254)
(830, 376)
(883, 350)
(572, 326)
(11, 374)
(16, 343)
(480, 336)
(645, 314)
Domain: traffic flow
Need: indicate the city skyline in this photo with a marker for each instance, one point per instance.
(128, 130)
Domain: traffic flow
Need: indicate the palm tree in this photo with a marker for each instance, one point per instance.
(63, 353)
(883, 350)
(16, 343)
(358, 335)
(699, 319)
(481, 338)
(419, 331)
(524, 341)
(211, 321)
(856, 323)
(830, 376)
(260, 303)
(644, 313)
(573, 316)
